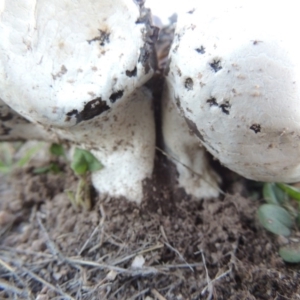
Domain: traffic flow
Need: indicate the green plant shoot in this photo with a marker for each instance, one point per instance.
(83, 164)
(280, 214)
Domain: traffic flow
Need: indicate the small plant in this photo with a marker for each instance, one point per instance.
(6, 157)
(56, 151)
(83, 164)
(8, 150)
(281, 214)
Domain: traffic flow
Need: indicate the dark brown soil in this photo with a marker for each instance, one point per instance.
(192, 249)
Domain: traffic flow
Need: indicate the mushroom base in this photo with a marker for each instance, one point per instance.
(123, 140)
(195, 174)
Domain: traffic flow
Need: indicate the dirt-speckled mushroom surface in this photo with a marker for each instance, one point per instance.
(76, 68)
(67, 57)
(234, 75)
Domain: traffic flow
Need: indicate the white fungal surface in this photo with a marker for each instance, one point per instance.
(124, 142)
(195, 174)
(235, 76)
(57, 56)
(75, 69)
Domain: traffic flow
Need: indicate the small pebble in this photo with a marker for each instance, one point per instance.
(6, 217)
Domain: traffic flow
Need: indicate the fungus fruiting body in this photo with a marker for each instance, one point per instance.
(195, 174)
(234, 75)
(75, 68)
(70, 67)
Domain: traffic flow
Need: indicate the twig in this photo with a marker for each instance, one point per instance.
(139, 294)
(216, 279)
(100, 225)
(179, 266)
(50, 244)
(36, 277)
(210, 282)
(88, 240)
(44, 282)
(173, 286)
(143, 271)
(12, 270)
(209, 286)
(120, 288)
(157, 294)
(6, 227)
(153, 248)
(172, 248)
(158, 246)
(9, 250)
(7, 287)
(7, 266)
(113, 242)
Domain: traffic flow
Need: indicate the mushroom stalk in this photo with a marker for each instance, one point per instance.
(195, 174)
(124, 142)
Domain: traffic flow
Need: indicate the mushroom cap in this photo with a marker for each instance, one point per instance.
(64, 61)
(15, 127)
(235, 76)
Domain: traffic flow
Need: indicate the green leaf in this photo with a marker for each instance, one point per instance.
(273, 194)
(275, 219)
(57, 150)
(29, 155)
(78, 164)
(290, 190)
(4, 168)
(6, 153)
(93, 163)
(53, 167)
(84, 161)
(41, 170)
(290, 253)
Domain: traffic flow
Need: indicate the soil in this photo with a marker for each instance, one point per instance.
(170, 247)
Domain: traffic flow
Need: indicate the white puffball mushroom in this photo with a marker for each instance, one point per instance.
(123, 140)
(195, 174)
(76, 68)
(234, 75)
(63, 54)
